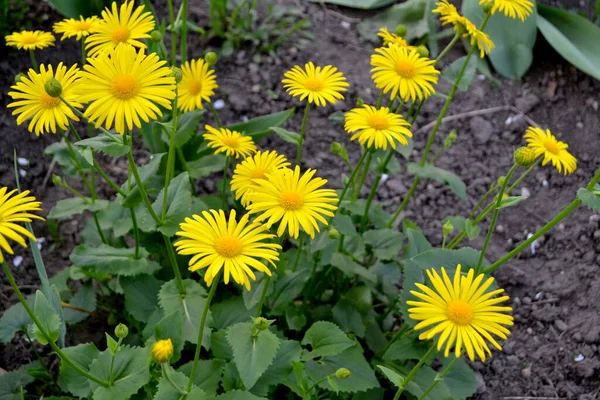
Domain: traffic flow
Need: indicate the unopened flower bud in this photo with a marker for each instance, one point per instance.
(261, 323)
(121, 331)
(211, 58)
(53, 87)
(524, 156)
(423, 51)
(360, 102)
(447, 228)
(19, 76)
(501, 180)
(487, 7)
(162, 351)
(156, 36)
(336, 148)
(56, 180)
(342, 373)
(401, 30)
(333, 233)
(177, 74)
(450, 139)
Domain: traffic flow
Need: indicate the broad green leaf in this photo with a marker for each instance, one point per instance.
(417, 242)
(85, 298)
(389, 275)
(259, 127)
(141, 295)
(15, 319)
(110, 260)
(288, 136)
(450, 73)
(347, 315)
(208, 374)
(72, 381)
(219, 347)
(50, 322)
(286, 289)
(13, 382)
(392, 375)
(471, 229)
(206, 165)
(421, 382)
(377, 216)
(460, 380)
(188, 127)
(252, 297)
(350, 268)
(66, 208)
(588, 198)
(573, 37)
(75, 8)
(111, 344)
(60, 152)
(280, 369)
(112, 146)
(511, 201)
(344, 225)
(406, 150)
(440, 175)
(386, 243)
(171, 327)
(407, 347)
(166, 391)
(325, 339)
(513, 39)
(129, 373)
(295, 319)
(239, 395)
(229, 312)
(253, 352)
(410, 13)
(148, 175)
(190, 308)
(360, 4)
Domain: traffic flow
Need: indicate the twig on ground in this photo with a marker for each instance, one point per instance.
(48, 174)
(533, 398)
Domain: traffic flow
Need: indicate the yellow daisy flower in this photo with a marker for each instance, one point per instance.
(197, 84)
(293, 200)
(449, 15)
(124, 25)
(554, 151)
(13, 210)
(461, 312)
(232, 143)
(319, 84)
(511, 8)
(216, 243)
(389, 37)
(403, 72)
(243, 181)
(46, 112)
(377, 126)
(78, 28)
(123, 86)
(30, 40)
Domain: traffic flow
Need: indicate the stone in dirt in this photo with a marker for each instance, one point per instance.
(527, 102)
(482, 129)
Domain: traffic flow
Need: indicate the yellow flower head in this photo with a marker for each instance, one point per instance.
(124, 25)
(511, 8)
(232, 143)
(403, 72)
(554, 151)
(252, 168)
(449, 15)
(30, 40)
(389, 37)
(80, 28)
(461, 312)
(377, 127)
(197, 84)
(216, 244)
(123, 86)
(293, 200)
(162, 351)
(46, 112)
(321, 85)
(15, 209)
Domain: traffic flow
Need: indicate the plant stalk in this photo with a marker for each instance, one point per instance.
(365, 172)
(439, 377)
(414, 371)
(302, 131)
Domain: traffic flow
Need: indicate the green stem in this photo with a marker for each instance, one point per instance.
(211, 294)
(366, 166)
(374, 187)
(97, 223)
(140, 184)
(174, 264)
(397, 335)
(37, 354)
(263, 295)
(173, 33)
(78, 166)
(184, 164)
(302, 130)
(352, 177)
(215, 114)
(136, 233)
(317, 383)
(404, 202)
(482, 199)
(170, 160)
(224, 191)
(167, 376)
(402, 102)
(297, 259)
(566, 211)
(108, 180)
(34, 63)
(447, 49)
(414, 371)
(492, 226)
(41, 328)
(379, 100)
(414, 117)
(391, 309)
(83, 54)
(184, 17)
(439, 377)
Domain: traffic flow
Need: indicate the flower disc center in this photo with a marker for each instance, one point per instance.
(194, 87)
(231, 141)
(313, 84)
(49, 101)
(291, 201)
(405, 69)
(29, 38)
(124, 87)
(84, 26)
(378, 122)
(552, 147)
(228, 246)
(460, 312)
(120, 35)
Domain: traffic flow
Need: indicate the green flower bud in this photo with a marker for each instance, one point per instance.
(211, 58)
(261, 323)
(524, 156)
(337, 148)
(177, 74)
(333, 233)
(121, 331)
(19, 76)
(401, 30)
(360, 102)
(501, 180)
(56, 180)
(423, 51)
(53, 87)
(342, 373)
(156, 36)
(487, 7)
(450, 139)
(447, 228)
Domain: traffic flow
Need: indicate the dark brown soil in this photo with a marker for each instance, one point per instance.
(553, 351)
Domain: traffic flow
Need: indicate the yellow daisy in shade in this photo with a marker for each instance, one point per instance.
(217, 243)
(162, 351)
(232, 143)
(30, 40)
(13, 210)
(403, 72)
(125, 86)
(389, 37)
(511, 8)
(321, 85)
(245, 174)
(554, 151)
(461, 312)
(377, 127)
(197, 84)
(78, 28)
(449, 15)
(120, 25)
(293, 200)
(46, 112)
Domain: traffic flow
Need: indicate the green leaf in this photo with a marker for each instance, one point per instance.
(417, 242)
(410, 13)
(84, 298)
(259, 127)
(325, 339)
(112, 146)
(129, 373)
(288, 136)
(588, 198)
(13, 383)
(141, 295)
(471, 229)
(111, 344)
(48, 319)
(461, 380)
(511, 201)
(462, 224)
(190, 308)
(219, 346)
(206, 165)
(188, 127)
(171, 327)
(229, 312)
(286, 289)
(513, 39)
(440, 175)
(350, 268)
(280, 369)
(450, 73)
(377, 216)
(362, 378)
(208, 374)
(360, 4)
(15, 319)
(421, 382)
(573, 37)
(72, 381)
(407, 347)
(348, 316)
(66, 208)
(406, 150)
(239, 395)
(253, 352)
(148, 173)
(344, 225)
(76, 8)
(166, 391)
(386, 243)
(392, 375)
(110, 260)
(60, 152)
